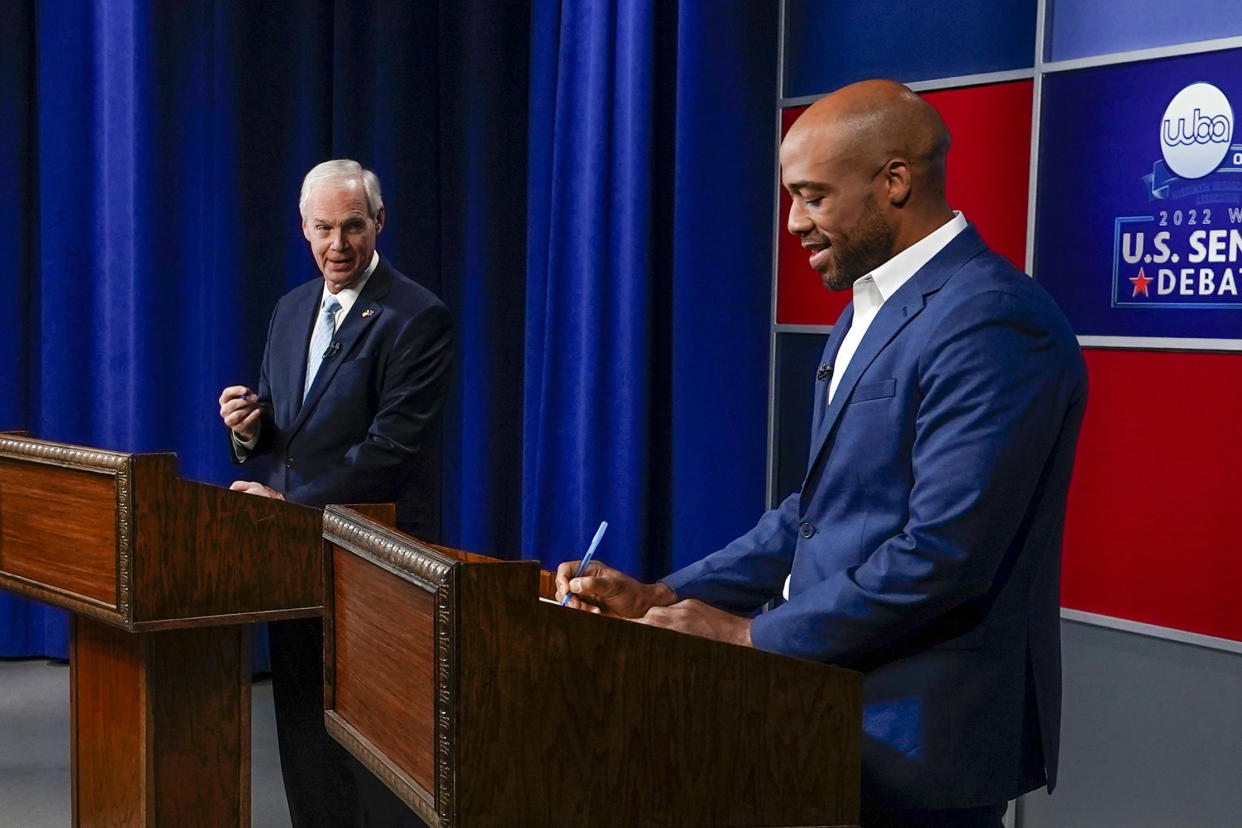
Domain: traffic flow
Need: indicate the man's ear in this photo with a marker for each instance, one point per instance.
(897, 179)
(380, 218)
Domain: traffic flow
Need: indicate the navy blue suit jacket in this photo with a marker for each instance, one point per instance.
(925, 541)
(366, 431)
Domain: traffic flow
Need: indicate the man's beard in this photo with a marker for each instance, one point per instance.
(871, 245)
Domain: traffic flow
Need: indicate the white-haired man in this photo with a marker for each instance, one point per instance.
(353, 380)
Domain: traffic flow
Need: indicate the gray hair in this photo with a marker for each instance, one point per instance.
(343, 169)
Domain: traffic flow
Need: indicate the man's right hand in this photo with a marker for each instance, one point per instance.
(602, 589)
(239, 408)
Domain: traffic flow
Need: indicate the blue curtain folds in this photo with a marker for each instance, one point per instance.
(648, 277)
(599, 183)
(588, 185)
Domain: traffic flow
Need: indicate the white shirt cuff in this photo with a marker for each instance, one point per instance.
(242, 448)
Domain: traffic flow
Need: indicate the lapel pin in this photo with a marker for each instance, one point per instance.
(368, 312)
(824, 372)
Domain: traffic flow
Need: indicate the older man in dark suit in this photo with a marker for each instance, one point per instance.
(353, 380)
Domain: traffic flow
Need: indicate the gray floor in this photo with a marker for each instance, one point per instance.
(34, 749)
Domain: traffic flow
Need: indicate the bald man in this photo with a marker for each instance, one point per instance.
(924, 545)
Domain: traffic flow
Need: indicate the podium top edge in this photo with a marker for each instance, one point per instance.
(383, 544)
(396, 551)
(19, 446)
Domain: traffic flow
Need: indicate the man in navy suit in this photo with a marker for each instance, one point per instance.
(923, 547)
(353, 380)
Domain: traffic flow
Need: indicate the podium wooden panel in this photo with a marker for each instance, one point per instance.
(162, 575)
(480, 704)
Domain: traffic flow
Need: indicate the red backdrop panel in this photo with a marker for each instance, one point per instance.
(1152, 529)
(988, 168)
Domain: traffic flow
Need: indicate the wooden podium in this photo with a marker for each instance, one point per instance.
(480, 704)
(162, 576)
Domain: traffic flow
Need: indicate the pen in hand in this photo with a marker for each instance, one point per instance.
(586, 559)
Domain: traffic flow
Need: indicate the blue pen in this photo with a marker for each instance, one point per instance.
(586, 559)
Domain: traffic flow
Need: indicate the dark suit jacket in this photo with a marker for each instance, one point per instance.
(925, 541)
(367, 430)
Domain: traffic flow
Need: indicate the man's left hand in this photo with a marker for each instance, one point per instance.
(255, 489)
(696, 618)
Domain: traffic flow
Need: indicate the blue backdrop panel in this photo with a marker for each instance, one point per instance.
(1081, 28)
(1125, 244)
(798, 357)
(829, 44)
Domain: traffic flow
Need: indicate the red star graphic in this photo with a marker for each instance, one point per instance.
(1140, 284)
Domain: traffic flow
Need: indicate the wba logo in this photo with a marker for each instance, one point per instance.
(1201, 130)
(1188, 254)
(1196, 131)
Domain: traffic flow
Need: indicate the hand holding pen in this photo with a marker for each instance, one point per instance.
(239, 409)
(586, 559)
(605, 590)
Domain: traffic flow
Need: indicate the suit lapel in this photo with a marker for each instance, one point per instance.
(894, 315)
(352, 331)
(833, 345)
(897, 312)
(290, 348)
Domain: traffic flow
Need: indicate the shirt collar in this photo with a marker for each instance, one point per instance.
(348, 296)
(873, 290)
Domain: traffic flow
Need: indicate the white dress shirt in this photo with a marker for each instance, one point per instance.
(347, 297)
(874, 289)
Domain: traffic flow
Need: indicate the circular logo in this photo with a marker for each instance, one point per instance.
(1197, 130)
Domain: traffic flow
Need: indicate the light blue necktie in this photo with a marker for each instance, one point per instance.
(321, 340)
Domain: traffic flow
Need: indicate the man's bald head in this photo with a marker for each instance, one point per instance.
(865, 166)
(873, 121)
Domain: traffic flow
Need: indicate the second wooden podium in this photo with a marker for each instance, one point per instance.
(162, 576)
(480, 704)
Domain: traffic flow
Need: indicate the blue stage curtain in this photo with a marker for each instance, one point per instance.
(649, 272)
(151, 153)
(26, 628)
(482, 201)
(619, 152)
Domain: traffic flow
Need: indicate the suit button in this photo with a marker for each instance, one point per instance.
(806, 529)
(289, 463)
